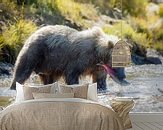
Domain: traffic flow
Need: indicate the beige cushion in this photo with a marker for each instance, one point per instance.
(49, 95)
(80, 91)
(92, 92)
(29, 90)
(122, 106)
(20, 90)
(54, 86)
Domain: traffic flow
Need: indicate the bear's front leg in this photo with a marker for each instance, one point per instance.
(100, 77)
(46, 79)
(72, 77)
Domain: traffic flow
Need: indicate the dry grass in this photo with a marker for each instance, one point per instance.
(128, 32)
(5, 101)
(15, 35)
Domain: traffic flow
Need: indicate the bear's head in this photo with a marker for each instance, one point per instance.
(104, 46)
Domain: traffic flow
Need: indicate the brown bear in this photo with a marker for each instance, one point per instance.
(55, 51)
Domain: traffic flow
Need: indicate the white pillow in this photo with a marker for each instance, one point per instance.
(92, 92)
(20, 92)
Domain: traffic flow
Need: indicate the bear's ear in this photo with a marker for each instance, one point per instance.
(110, 44)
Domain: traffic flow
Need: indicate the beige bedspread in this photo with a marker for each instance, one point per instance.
(59, 114)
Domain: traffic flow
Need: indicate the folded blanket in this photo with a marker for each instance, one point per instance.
(122, 108)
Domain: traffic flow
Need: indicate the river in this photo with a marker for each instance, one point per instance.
(145, 83)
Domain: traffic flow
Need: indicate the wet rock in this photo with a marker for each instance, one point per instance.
(153, 57)
(4, 71)
(153, 60)
(160, 90)
(137, 60)
(140, 55)
(5, 68)
(114, 13)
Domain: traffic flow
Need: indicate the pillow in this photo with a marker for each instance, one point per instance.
(54, 86)
(92, 92)
(29, 90)
(122, 107)
(20, 90)
(80, 91)
(49, 95)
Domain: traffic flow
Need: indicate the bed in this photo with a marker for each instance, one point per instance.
(59, 114)
(63, 114)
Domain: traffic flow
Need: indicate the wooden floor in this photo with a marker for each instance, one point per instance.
(147, 121)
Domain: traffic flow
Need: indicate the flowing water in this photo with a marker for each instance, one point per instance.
(146, 86)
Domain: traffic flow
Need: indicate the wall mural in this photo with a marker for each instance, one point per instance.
(118, 47)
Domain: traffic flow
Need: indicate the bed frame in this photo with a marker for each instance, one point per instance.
(147, 121)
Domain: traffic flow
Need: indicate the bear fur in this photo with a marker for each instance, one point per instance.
(55, 51)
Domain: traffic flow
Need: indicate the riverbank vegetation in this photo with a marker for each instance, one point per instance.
(142, 20)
